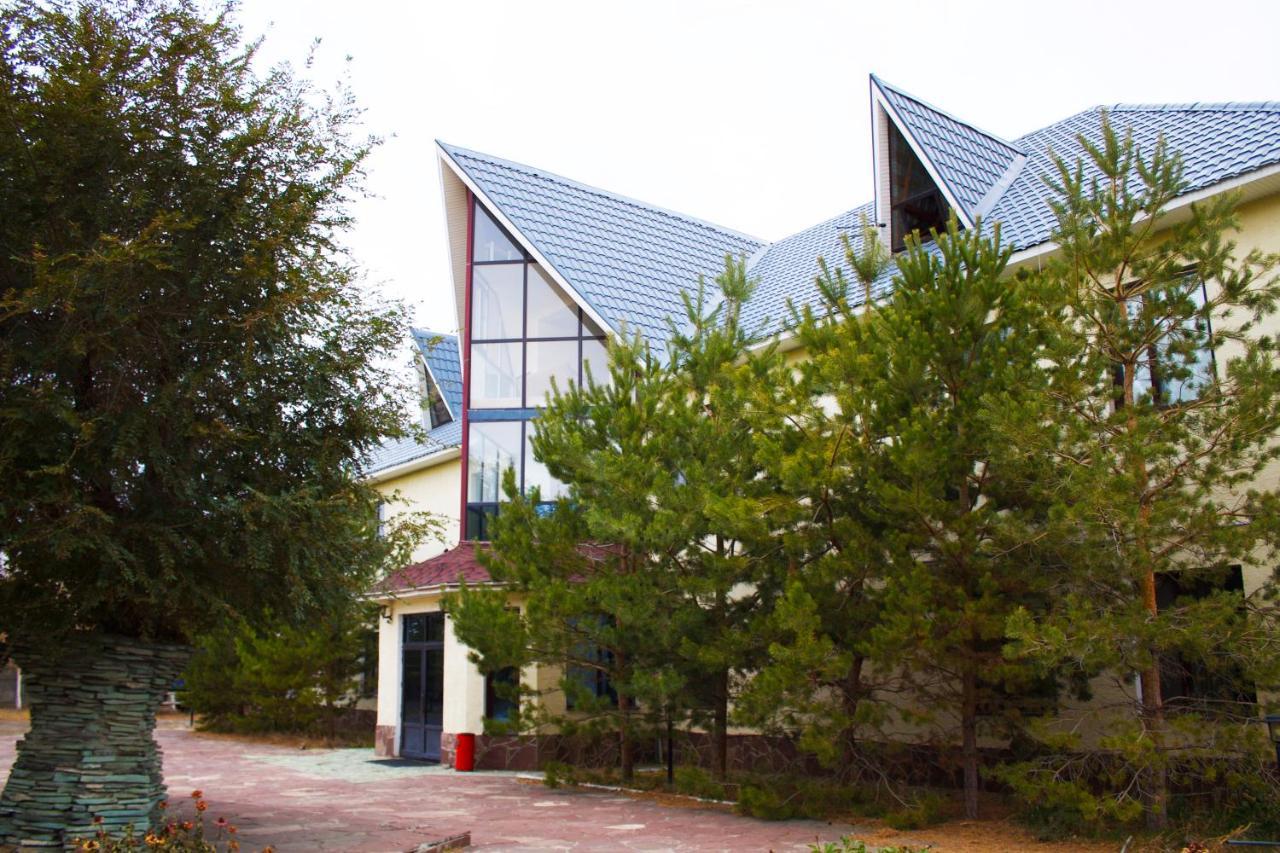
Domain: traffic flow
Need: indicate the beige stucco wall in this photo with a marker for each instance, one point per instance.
(436, 489)
(463, 683)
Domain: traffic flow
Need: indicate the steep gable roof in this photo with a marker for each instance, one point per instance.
(971, 162)
(440, 352)
(441, 355)
(628, 260)
(1217, 142)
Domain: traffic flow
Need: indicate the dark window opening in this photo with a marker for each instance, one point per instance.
(479, 519)
(437, 409)
(369, 663)
(1189, 683)
(501, 703)
(916, 205)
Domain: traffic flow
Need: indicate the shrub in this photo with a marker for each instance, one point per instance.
(696, 782)
(556, 774)
(925, 810)
(765, 803)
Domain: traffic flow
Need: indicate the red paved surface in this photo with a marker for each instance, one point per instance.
(300, 800)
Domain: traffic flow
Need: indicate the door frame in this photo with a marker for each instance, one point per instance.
(432, 641)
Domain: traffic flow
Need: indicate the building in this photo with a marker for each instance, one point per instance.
(545, 270)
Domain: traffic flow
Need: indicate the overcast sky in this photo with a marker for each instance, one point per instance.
(753, 115)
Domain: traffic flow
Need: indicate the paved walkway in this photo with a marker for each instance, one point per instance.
(299, 800)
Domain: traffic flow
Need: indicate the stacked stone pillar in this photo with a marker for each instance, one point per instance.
(90, 751)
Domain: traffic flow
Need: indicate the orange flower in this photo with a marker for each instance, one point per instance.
(232, 829)
(97, 818)
(201, 805)
(195, 795)
(163, 804)
(233, 845)
(153, 840)
(187, 825)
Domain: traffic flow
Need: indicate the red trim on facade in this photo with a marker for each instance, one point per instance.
(466, 367)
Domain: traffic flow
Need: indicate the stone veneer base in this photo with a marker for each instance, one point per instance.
(89, 753)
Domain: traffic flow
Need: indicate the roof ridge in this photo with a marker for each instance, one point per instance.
(1195, 106)
(420, 330)
(1000, 139)
(597, 191)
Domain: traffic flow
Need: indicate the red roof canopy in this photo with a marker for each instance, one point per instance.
(452, 567)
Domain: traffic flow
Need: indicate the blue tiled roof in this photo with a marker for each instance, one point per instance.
(628, 260)
(398, 451)
(441, 355)
(1217, 142)
(970, 161)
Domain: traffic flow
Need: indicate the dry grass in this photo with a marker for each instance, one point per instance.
(293, 741)
(9, 715)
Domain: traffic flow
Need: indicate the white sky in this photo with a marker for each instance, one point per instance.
(753, 115)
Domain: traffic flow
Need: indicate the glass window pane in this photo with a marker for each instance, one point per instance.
(411, 686)
(492, 448)
(595, 356)
(551, 314)
(548, 359)
(497, 293)
(435, 627)
(495, 376)
(489, 243)
(590, 329)
(415, 630)
(536, 473)
(479, 518)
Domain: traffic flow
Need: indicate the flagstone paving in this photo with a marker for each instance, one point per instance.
(341, 800)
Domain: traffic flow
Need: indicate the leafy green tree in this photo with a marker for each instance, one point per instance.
(1160, 426)
(188, 374)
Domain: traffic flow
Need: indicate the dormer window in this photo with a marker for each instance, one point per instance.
(435, 411)
(915, 202)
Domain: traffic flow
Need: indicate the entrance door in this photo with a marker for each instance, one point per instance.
(422, 685)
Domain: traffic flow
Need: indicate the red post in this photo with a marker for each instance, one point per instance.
(464, 754)
(465, 339)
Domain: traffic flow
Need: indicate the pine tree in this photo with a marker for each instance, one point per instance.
(593, 572)
(648, 573)
(957, 343)
(726, 570)
(910, 556)
(1158, 423)
(820, 444)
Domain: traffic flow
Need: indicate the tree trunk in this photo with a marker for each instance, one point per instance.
(1156, 787)
(721, 726)
(90, 751)
(969, 738)
(852, 696)
(626, 745)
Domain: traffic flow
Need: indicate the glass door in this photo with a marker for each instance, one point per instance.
(422, 685)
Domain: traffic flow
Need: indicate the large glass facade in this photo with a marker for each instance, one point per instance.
(527, 338)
